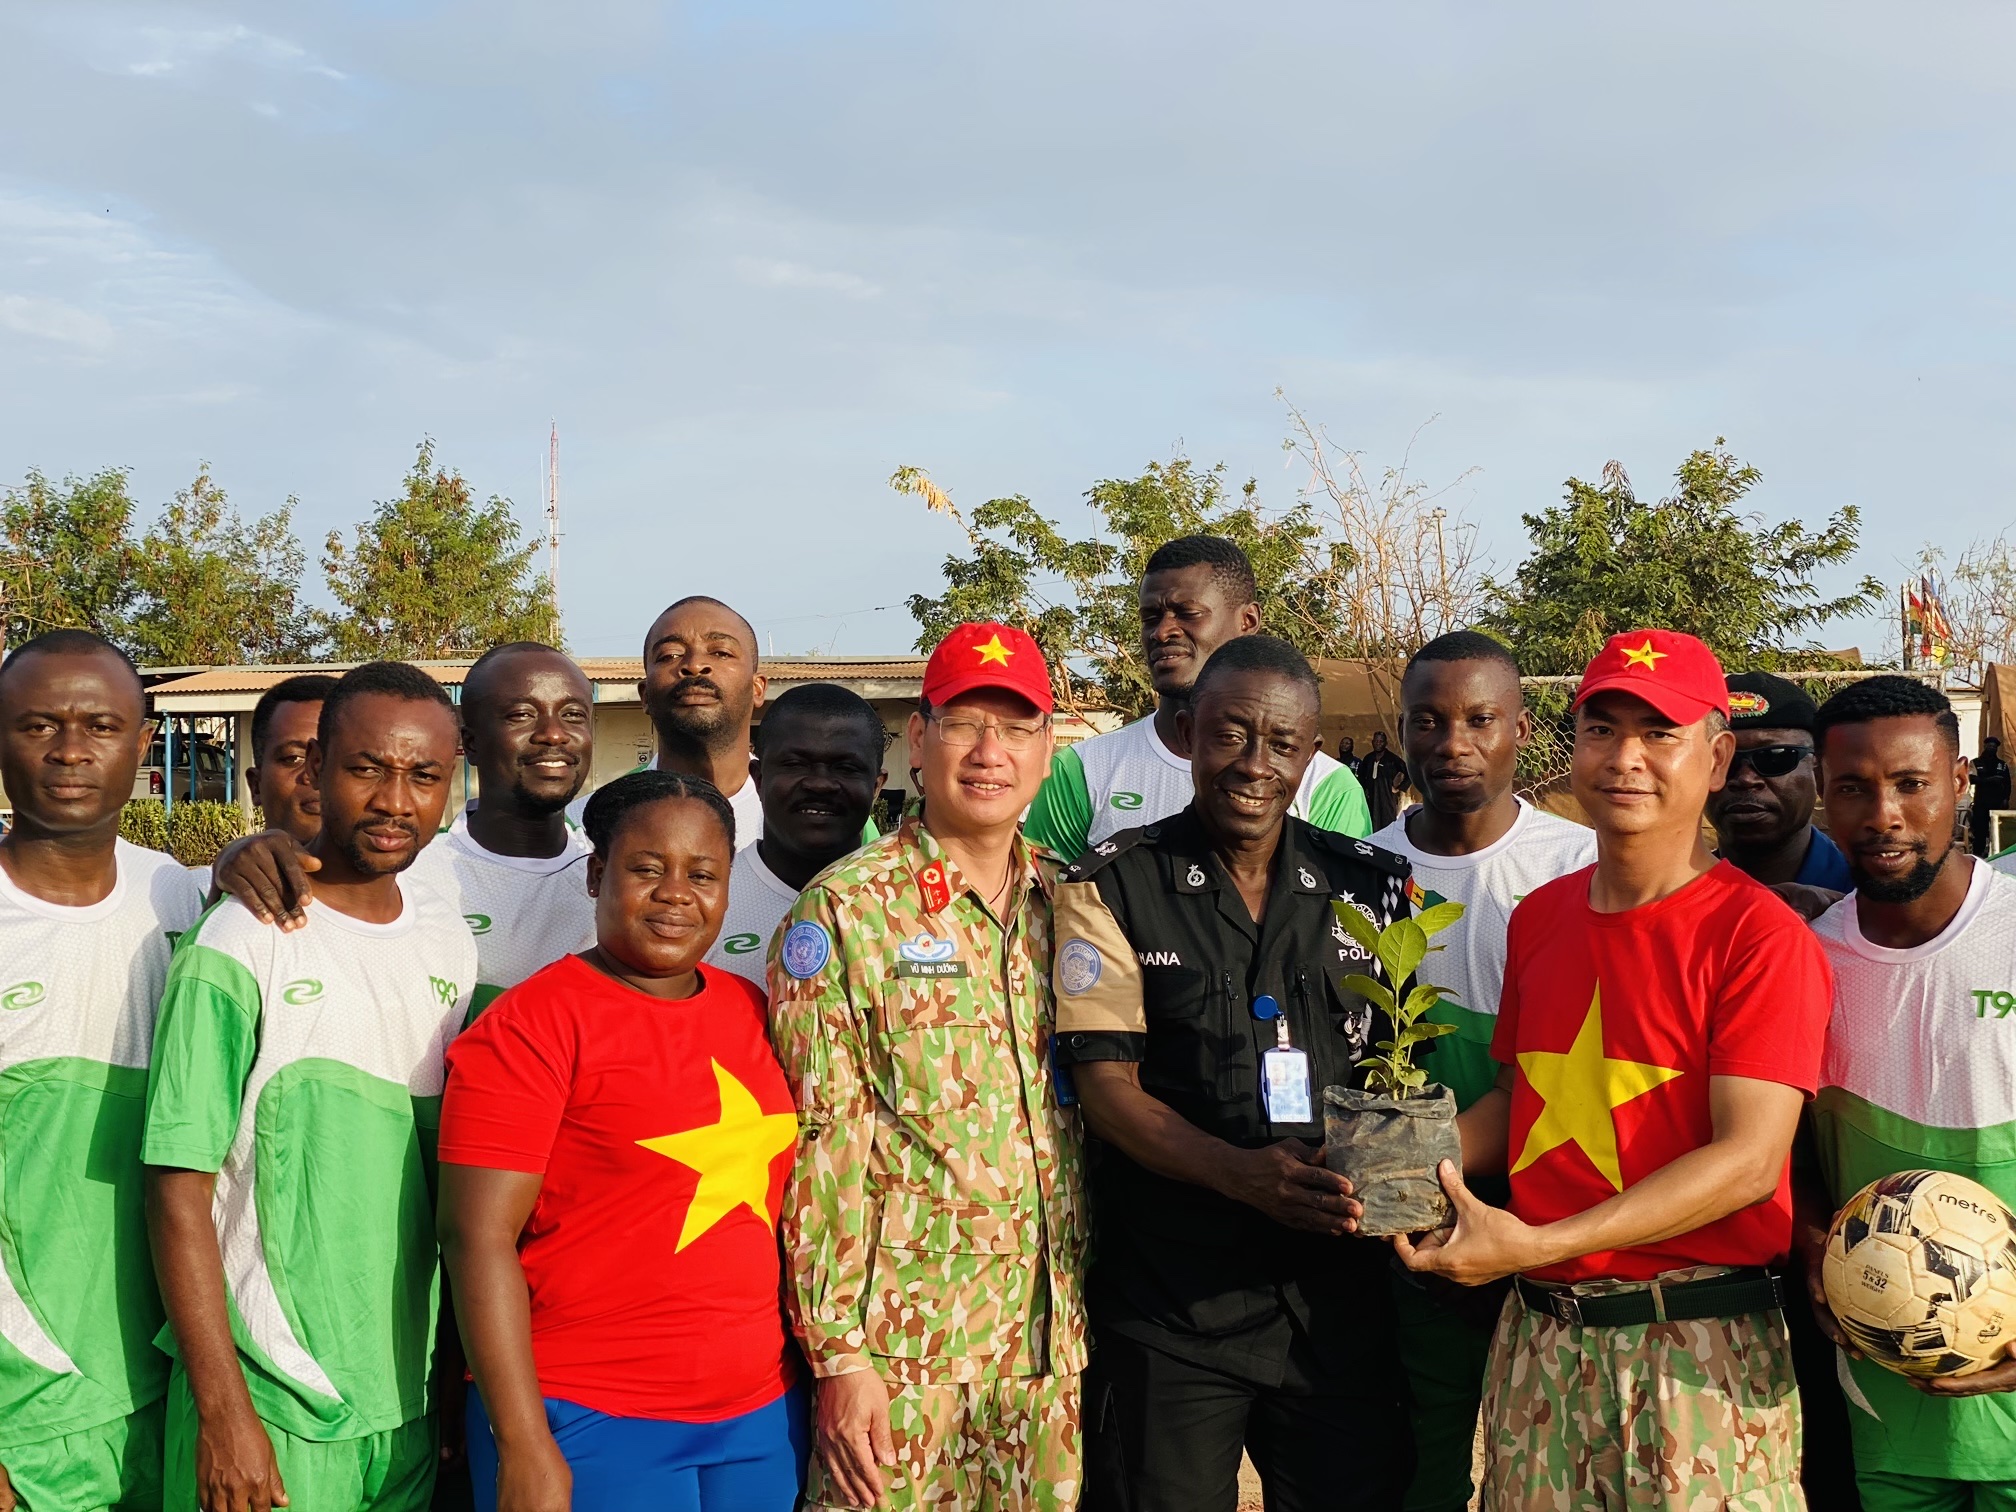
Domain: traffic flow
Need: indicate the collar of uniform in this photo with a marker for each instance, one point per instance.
(1193, 869)
(938, 880)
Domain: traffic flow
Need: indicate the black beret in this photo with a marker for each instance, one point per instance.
(1757, 700)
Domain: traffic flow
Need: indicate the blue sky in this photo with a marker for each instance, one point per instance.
(754, 256)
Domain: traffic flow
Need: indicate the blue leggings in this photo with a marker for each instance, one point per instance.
(751, 1463)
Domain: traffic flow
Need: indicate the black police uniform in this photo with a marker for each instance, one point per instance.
(1215, 1327)
(1991, 792)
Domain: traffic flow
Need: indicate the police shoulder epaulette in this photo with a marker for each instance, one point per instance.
(1362, 850)
(1102, 854)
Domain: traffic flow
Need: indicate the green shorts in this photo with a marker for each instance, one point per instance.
(116, 1465)
(392, 1471)
(1884, 1492)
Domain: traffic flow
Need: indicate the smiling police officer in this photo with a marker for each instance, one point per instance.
(1200, 1005)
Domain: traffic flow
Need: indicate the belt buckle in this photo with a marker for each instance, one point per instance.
(1568, 1308)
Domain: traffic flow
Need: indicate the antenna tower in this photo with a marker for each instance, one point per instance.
(553, 521)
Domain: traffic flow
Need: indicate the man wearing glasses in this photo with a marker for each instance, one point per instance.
(1763, 815)
(934, 1223)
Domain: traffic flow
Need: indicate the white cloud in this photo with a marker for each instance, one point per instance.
(779, 273)
(55, 321)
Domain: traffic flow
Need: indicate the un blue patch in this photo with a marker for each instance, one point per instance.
(807, 947)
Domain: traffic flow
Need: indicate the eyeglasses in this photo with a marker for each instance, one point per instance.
(1771, 760)
(960, 731)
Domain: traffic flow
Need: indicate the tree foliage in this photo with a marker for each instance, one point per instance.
(1979, 599)
(217, 591)
(433, 574)
(1603, 561)
(67, 559)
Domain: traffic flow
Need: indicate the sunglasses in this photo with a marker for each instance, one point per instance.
(1771, 760)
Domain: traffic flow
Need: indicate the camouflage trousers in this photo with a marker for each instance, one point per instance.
(1006, 1445)
(1700, 1416)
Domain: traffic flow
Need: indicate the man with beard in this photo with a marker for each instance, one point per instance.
(1660, 1026)
(818, 769)
(701, 687)
(1472, 841)
(1202, 1008)
(1196, 594)
(1763, 813)
(1915, 1074)
(86, 925)
(294, 1087)
(511, 864)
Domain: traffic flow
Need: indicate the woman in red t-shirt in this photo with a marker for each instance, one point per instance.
(614, 1144)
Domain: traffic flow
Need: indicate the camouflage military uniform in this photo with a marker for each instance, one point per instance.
(1656, 1417)
(934, 1224)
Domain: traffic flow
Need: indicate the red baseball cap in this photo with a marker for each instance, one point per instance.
(1675, 673)
(988, 655)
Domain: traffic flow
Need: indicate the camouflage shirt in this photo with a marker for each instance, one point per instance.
(934, 1225)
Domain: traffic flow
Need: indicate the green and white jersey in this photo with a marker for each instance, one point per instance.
(1127, 778)
(757, 903)
(525, 911)
(1920, 1072)
(1470, 966)
(306, 1070)
(743, 803)
(78, 987)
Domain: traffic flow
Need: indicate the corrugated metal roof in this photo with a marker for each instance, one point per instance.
(601, 669)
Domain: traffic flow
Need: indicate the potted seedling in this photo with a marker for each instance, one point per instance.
(1388, 1137)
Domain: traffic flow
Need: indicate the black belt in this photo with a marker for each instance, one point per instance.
(1730, 1296)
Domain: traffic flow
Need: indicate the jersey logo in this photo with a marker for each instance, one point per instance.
(2004, 1003)
(444, 989)
(1159, 958)
(1078, 967)
(307, 990)
(741, 944)
(173, 937)
(806, 948)
(1126, 800)
(22, 995)
(478, 923)
(921, 947)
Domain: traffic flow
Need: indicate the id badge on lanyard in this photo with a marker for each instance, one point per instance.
(1284, 1071)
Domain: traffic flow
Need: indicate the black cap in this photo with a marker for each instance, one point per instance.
(1759, 701)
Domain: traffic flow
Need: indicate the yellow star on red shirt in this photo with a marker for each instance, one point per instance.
(1644, 656)
(994, 651)
(732, 1156)
(1578, 1093)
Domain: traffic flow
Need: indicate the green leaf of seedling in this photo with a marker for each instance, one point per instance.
(1357, 926)
(1438, 918)
(1419, 1001)
(1402, 948)
(1373, 992)
(1415, 1033)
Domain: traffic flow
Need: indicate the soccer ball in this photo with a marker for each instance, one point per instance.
(1920, 1271)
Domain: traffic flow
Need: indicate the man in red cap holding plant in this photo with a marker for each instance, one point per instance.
(1660, 1029)
(934, 1225)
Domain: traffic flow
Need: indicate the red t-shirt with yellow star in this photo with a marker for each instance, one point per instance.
(1614, 1023)
(664, 1131)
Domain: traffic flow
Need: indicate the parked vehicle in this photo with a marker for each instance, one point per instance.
(211, 781)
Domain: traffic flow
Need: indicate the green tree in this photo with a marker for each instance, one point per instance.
(67, 558)
(1603, 561)
(217, 591)
(433, 574)
(1078, 599)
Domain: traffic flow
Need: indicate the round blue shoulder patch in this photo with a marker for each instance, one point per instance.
(807, 947)
(1078, 966)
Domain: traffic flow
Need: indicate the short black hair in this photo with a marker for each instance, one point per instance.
(509, 648)
(1258, 653)
(304, 687)
(1229, 565)
(72, 643)
(706, 598)
(611, 804)
(1888, 697)
(821, 700)
(400, 679)
(1462, 646)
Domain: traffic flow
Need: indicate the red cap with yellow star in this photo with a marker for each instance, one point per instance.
(988, 656)
(1675, 673)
